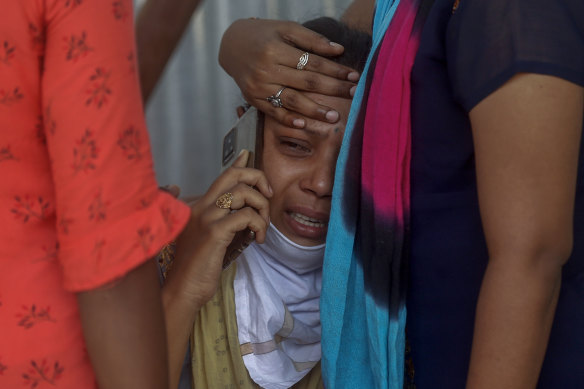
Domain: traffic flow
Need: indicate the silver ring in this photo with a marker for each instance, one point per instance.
(275, 99)
(302, 61)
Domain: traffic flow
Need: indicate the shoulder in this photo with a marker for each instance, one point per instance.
(523, 21)
(487, 42)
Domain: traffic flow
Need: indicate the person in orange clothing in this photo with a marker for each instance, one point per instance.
(80, 210)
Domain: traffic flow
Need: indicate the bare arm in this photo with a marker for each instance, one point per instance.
(122, 324)
(359, 15)
(159, 27)
(527, 137)
(180, 310)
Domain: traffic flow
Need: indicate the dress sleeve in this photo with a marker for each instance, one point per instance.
(111, 217)
(487, 42)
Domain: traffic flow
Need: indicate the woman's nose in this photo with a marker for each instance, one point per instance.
(319, 180)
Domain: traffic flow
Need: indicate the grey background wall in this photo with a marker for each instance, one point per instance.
(194, 104)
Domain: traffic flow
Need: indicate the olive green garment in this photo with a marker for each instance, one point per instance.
(216, 356)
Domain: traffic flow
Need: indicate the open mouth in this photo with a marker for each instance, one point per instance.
(304, 229)
(307, 221)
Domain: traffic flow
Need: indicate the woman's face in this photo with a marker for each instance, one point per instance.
(300, 166)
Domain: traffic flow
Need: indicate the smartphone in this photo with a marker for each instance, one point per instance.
(246, 134)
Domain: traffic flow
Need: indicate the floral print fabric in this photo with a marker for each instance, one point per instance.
(79, 204)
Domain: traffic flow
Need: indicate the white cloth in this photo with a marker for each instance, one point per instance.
(277, 290)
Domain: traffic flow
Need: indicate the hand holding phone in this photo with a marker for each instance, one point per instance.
(212, 226)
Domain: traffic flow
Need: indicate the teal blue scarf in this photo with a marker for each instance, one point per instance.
(363, 296)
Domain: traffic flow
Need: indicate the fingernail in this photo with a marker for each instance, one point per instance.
(243, 151)
(299, 123)
(332, 116)
(353, 76)
(352, 91)
(334, 44)
(270, 189)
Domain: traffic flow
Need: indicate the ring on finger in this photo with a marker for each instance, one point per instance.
(302, 61)
(275, 99)
(224, 201)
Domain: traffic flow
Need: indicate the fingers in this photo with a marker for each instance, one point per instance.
(293, 100)
(309, 40)
(291, 118)
(317, 64)
(282, 115)
(324, 66)
(240, 220)
(236, 175)
(248, 210)
(300, 40)
(297, 105)
(236, 189)
(296, 109)
(239, 197)
(317, 75)
(266, 85)
(310, 81)
(246, 196)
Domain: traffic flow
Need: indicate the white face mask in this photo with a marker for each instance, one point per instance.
(301, 259)
(277, 290)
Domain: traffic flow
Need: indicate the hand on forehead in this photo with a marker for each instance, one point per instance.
(341, 105)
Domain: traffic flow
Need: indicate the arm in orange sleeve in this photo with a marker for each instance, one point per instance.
(111, 218)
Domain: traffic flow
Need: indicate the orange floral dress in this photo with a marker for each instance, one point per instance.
(79, 204)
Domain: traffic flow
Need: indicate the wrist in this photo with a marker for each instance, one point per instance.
(177, 295)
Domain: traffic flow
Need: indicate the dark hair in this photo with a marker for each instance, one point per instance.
(356, 43)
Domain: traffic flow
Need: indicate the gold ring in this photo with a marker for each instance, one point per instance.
(224, 201)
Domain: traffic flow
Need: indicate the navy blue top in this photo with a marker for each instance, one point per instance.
(462, 59)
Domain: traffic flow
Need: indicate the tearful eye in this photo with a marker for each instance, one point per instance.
(295, 147)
